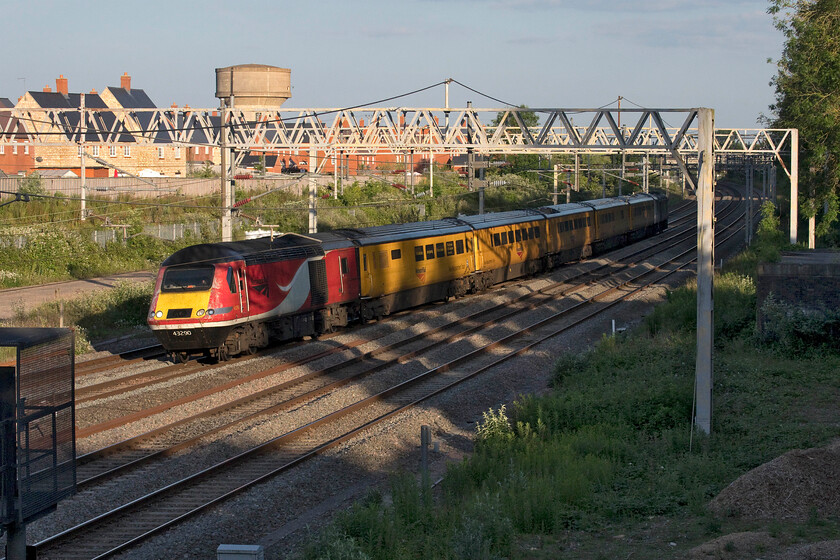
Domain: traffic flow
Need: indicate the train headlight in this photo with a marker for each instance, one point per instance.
(210, 312)
(159, 314)
(199, 313)
(151, 314)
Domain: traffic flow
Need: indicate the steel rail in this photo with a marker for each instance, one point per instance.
(256, 455)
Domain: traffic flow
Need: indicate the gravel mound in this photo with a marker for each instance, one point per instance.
(794, 486)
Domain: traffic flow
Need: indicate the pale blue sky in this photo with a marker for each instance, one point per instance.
(542, 53)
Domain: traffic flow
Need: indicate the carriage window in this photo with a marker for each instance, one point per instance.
(396, 254)
(518, 236)
(497, 240)
(459, 246)
(230, 280)
(537, 232)
(187, 279)
(418, 253)
(343, 265)
(439, 250)
(364, 262)
(430, 252)
(450, 248)
(504, 238)
(530, 232)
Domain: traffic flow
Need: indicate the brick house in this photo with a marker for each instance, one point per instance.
(127, 154)
(18, 157)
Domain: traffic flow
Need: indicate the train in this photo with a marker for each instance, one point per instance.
(229, 298)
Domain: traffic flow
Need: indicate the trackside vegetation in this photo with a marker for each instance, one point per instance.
(607, 465)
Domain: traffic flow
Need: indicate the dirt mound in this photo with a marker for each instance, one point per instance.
(751, 545)
(734, 547)
(794, 486)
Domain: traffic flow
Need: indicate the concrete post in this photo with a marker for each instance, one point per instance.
(623, 165)
(794, 184)
(425, 442)
(227, 221)
(603, 183)
(431, 174)
(747, 200)
(82, 134)
(705, 269)
(313, 187)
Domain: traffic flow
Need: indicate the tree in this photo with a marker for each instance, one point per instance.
(807, 85)
(529, 118)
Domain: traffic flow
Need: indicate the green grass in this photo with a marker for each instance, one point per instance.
(96, 316)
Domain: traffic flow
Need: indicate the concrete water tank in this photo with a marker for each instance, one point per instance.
(254, 85)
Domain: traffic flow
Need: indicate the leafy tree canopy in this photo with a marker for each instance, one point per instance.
(807, 85)
(529, 118)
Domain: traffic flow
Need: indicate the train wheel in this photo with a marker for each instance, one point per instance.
(180, 357)
(251, 350)
(222, 354)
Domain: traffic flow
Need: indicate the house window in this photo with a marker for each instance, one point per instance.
(26, 148)
(94, 150)
(160, 153)
(112, 151)
(197, 149)
(2, 149)
(206, 150)
(14, 148)
(177, 152)
(126, 151)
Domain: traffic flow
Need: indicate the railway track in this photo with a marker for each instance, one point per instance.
(142, 518)
(126, 384)
(159, 443)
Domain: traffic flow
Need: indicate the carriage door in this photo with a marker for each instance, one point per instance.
(236, 284)
(243, 291)
(342, 272)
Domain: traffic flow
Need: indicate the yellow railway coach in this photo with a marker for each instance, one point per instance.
(508, 245)
(404, 265)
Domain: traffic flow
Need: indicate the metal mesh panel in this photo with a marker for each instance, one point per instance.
(46, 447)
(318, 279)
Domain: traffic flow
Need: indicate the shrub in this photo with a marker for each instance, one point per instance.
(800, 330)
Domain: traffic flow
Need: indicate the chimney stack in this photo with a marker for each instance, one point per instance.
(47, 89)
(61, 84)
(125, 81)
